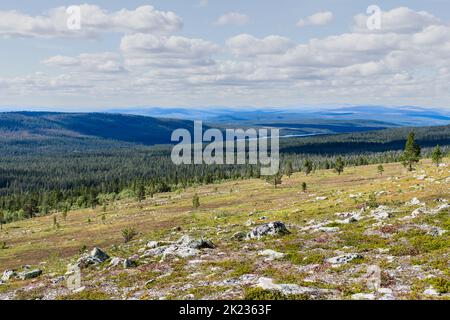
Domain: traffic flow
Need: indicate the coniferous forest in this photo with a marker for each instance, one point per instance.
(43, 172)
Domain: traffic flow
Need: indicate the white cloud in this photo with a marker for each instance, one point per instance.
(398, 20)
(408, 64)
(248, 45)
(107, 62)
(94, 20)
(317, 19)
(175, 51)
(233, 18)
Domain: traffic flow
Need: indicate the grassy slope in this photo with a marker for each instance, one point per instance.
(225, 208)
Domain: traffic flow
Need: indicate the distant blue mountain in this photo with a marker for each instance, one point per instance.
(389, 116)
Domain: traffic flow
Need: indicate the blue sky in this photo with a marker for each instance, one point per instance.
(196, 53)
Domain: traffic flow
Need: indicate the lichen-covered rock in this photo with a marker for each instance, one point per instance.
(26, 275)
(8, 275)
(129, 263)
(268, 229)
(239, 236)
(345, 258)
(271, 254)
(96, 256)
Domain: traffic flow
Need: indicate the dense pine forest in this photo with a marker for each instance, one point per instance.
(42, 171)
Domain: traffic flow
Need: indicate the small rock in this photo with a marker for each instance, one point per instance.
(346, 258)
(271, 255)
(413, 202)
(239, 236)
(363, 296)
(8, 275)
(431, 292)
(321, 198)
(115, 262)
(128, 264)
(152, 244)
(381, 213)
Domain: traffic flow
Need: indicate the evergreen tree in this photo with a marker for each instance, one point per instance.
(307, 166)
(275, 179)
(288, 170)
(380, 169)
(304, 187)
(195, 201)
(140, 192)
(339, 165)
(437, 155)
(411, 155)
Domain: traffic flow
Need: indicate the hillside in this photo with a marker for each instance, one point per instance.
(74, 127)
(337, 231)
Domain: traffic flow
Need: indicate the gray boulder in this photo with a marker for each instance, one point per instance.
(26, 275)
(268, 229)
(96, 256)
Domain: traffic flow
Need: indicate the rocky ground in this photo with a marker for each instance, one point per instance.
(360, 235)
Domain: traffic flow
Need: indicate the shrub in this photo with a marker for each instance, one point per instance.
(128, 234)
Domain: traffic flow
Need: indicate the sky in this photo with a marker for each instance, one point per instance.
(235, 53)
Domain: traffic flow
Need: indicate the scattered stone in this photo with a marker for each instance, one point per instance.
(96, 256)
(363, 296)
(321, 198)
(115, 262)
(268, 229)
(8, 275)
(152, 244)
(187, 241)
(271, 255)
(239, 236)
(99, 255)
(128, 264)
(381, 213)
(414, 202)
(346, 258)
(431, 292)
(186, 247)
(349, 217)
(290, 289)
(328, 229)
(26, 275)
(249, 223)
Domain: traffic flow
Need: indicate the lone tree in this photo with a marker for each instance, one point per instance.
(380, 169)
(339, 165)
(275, 179)
(411, 155)
(304, 187)
(307, 167)
(437, 155)
(288, 170)
(195, 201)
(1, 220)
